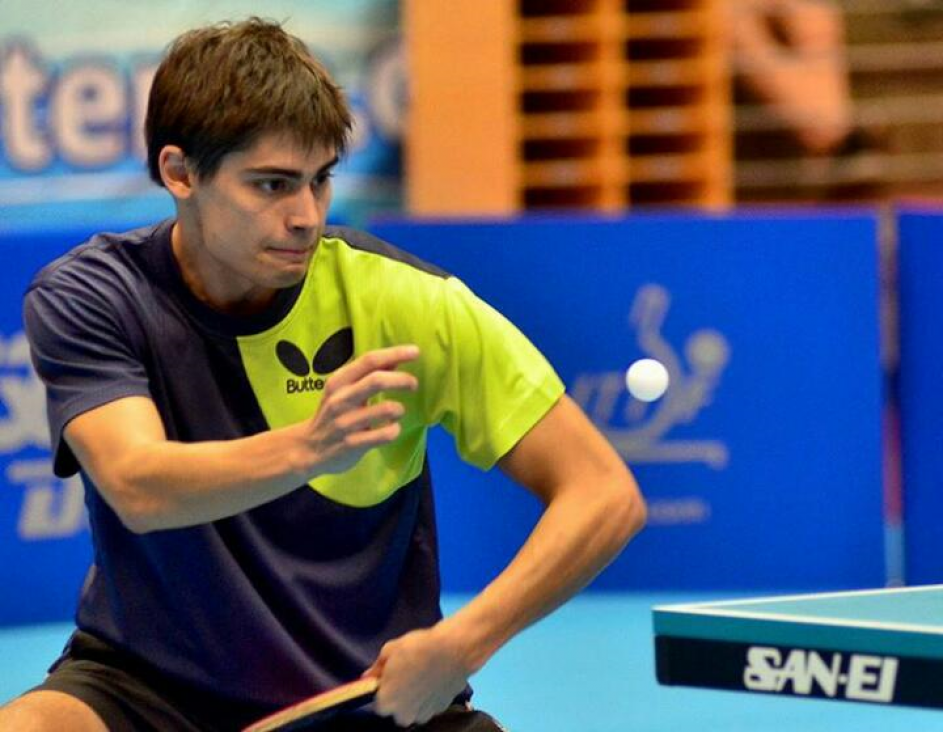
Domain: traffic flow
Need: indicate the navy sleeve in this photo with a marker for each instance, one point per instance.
(81, 352)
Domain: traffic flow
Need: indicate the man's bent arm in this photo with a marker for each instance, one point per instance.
(154, 483)
(593, 508)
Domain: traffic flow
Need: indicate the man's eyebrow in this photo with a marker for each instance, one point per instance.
(329, 164)
(291, 172)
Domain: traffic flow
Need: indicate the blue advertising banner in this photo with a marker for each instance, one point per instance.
(44, 539)
(762, 463)
(920, 284)
(74, 80)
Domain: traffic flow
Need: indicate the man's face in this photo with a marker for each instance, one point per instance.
(257, 221)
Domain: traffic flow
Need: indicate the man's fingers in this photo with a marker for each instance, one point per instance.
(383, 359)
(352, 396)
(366, 439)
(346, 425)
(373, 416)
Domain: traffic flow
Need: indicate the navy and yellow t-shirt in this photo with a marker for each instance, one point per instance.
(298, 594)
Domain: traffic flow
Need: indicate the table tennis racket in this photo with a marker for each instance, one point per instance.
(320, 707)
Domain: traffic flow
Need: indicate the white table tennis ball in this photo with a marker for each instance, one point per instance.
(647, 379)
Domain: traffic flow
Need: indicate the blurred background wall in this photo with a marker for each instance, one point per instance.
(74, 79)
(610, 103)
(514, 104)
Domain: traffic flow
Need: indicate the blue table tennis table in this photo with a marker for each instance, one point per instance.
(878, 646)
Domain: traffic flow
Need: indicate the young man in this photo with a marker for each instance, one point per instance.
(246, 394)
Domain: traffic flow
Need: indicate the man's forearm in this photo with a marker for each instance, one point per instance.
(168, 485)
(577, 536)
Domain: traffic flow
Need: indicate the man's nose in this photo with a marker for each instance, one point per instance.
(305, 212)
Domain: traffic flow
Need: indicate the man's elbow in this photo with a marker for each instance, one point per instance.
(639, 512)
(626, 511)
(140, 522)
(134, 507)
(139, 516)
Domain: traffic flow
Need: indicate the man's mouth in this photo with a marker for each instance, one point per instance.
(291, 254)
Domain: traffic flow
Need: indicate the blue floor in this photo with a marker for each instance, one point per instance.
(587, 668)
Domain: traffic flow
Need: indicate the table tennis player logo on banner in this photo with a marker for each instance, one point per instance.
(638, 429)
(331, 355)
(51, 508)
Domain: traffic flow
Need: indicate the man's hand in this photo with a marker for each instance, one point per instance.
(420, 674)
(345, 426)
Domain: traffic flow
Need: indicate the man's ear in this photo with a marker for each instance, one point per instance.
(174, 171)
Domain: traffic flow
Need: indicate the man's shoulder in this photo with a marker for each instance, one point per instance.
(363, 241)
(101, 258)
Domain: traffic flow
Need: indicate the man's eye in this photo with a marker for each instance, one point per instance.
(272, 185)
(323, 179)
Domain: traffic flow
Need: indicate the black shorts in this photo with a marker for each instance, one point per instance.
(132, 697)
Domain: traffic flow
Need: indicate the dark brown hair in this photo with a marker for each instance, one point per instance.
(221, 86)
